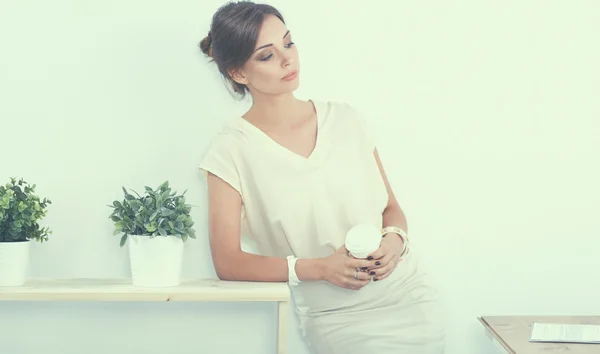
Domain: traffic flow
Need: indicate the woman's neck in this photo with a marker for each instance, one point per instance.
(275, 111)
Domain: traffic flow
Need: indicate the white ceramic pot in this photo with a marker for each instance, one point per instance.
(155, 262)
(14, 263)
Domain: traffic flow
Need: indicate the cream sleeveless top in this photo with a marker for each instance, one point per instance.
(300, 206)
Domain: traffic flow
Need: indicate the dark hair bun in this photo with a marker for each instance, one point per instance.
(205, 45)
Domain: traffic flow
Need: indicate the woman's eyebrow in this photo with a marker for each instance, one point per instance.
(270, 44)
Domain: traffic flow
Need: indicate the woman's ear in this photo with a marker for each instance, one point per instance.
(238, 76)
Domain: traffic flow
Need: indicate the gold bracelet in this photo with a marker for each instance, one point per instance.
(399, 232)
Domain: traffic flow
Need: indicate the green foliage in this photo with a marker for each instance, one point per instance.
(20, 211)
(158, 212)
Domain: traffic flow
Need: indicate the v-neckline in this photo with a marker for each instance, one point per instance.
(284, 149)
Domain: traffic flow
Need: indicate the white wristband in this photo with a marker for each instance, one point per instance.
(292, 276)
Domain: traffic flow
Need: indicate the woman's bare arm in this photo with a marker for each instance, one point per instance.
(393, 215)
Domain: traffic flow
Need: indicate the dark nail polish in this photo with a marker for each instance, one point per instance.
(378, 263)
(372, 273)
(364, 268)
(370, 258)
(374, 279)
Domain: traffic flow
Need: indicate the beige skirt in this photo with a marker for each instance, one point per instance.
(399, 314)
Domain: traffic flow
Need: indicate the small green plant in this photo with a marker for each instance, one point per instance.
(20, 211)
(159, 212)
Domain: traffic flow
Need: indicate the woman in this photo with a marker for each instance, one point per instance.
(295, 176)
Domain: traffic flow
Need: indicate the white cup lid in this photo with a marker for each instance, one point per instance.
(363, 238)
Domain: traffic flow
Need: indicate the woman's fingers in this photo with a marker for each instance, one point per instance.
(361, 274)
(355, 284)
(378, 253)
(382, 262)
(362, 264)
(386, 270)
(355, 278)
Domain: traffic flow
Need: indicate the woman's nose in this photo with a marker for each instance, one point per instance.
(287, 60)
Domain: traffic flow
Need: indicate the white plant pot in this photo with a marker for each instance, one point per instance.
(155, 262)
(14, 263)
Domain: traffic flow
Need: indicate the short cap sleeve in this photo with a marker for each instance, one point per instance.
(220, 161)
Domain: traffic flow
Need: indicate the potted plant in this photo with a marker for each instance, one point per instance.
(20, 211)
(156, 226)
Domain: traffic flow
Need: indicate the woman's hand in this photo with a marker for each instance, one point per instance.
(340, 269)
(387, 256)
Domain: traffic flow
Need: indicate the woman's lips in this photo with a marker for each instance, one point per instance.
(290, 76)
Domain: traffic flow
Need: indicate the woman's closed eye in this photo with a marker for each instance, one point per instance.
(268, 57)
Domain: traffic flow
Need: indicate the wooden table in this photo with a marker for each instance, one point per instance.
(512, 333)
(189, 290)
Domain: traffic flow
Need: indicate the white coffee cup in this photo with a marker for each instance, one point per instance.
(362, 240)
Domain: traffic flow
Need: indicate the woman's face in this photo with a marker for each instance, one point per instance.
(273, 67)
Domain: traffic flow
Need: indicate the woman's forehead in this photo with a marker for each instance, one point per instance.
(272, 30)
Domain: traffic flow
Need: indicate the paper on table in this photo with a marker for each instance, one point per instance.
(565, 333)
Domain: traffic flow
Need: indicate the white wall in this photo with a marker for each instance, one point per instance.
(488, 118)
